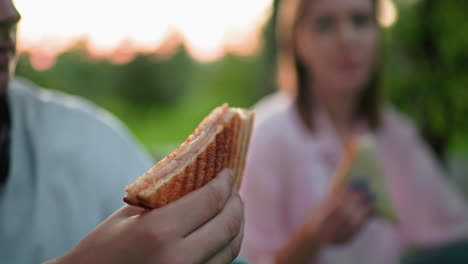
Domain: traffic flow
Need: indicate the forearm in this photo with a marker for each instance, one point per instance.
(300, 248)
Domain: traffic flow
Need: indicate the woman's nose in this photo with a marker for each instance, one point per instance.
(346, 35)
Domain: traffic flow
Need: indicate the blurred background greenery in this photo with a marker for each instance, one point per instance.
(162, 98)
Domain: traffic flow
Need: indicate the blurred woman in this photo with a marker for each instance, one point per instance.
(328, 67)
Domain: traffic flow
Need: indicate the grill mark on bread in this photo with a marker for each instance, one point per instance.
(237, 139)
(238, 150)
(235, 136)
(231, 146)
(169, 187)
(220, 152)
(184, 185)
(191, 183)
(175, 188)
(227, 145)
(201, 169)
(211, 153)
(188, 174)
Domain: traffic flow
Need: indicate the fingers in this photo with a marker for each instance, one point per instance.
(353, 214)
(345, 214)
(359, 218)
(217, 234)
(196, 208)
(355, 201)
(327, 221)
(229, 253)
(362, 211)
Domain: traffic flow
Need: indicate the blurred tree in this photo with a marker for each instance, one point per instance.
(74, 72)
(25, 70)
(234, 80)
(150, 92)
(149, 80)
(268, 55)
(428, 63)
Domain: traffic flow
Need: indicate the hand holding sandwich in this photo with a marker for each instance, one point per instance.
(193, 211)
(211, 234)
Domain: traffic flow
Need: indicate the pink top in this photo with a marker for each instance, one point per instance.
(288, 174)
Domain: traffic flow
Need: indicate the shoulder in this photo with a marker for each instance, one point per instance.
(397, 125)
(63, 126)
(271, 105)
(279, 133)
(272, 121)
(63, 115)
(76, 146)
(53, 108)
(398, 136)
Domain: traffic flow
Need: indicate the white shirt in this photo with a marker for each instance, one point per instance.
(70, 163)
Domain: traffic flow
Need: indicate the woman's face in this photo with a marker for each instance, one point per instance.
(337, 40)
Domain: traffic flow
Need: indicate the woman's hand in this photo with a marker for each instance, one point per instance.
(337, 221)
(206, 226)
(341, 216)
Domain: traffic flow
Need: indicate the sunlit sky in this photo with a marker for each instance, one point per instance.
(208, 27)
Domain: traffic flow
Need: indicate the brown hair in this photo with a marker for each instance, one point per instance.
(292, 76)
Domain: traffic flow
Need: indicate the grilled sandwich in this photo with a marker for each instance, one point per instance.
(220, 141)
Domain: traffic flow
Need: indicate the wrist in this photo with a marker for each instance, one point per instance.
(313, 238)
(302, 247)
(314, 233)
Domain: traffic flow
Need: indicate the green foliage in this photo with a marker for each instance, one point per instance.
(161, 99)
(147, 80)
(232, 80)
(427, 61)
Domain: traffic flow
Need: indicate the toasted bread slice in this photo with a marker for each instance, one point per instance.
(220, 141)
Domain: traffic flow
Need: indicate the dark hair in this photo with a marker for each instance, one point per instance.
(293, 76)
